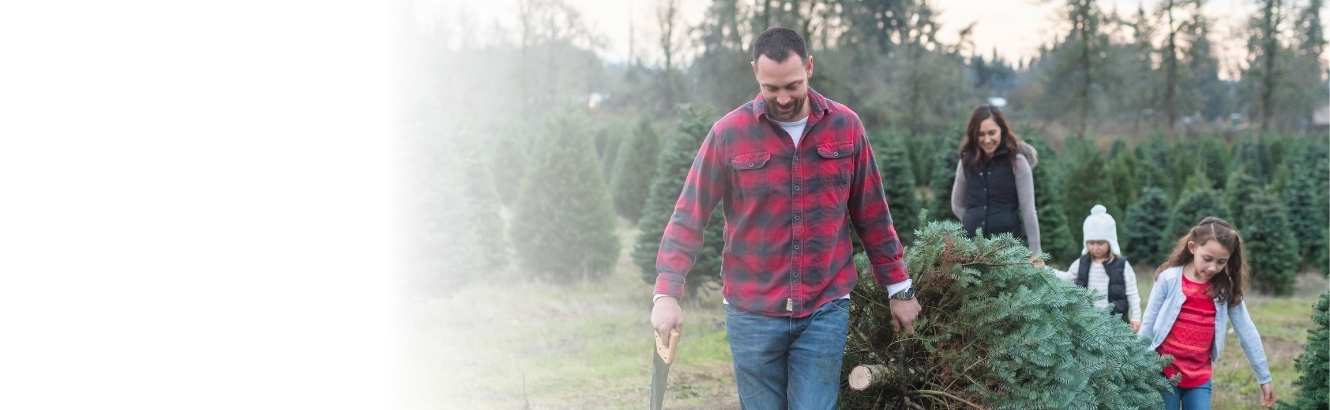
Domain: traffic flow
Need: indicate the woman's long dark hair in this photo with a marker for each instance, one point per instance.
(1229, 286)
(971, 154)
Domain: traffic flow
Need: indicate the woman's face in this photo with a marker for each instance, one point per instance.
(990, 136)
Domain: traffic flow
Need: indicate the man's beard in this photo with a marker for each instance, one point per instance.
(796, 107)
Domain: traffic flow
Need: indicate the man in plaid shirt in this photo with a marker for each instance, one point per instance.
(794, 173)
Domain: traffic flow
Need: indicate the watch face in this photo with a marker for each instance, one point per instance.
(905, 294)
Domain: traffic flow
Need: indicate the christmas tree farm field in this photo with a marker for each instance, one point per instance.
(512, 342)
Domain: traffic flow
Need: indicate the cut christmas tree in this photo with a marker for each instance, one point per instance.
(995, 332)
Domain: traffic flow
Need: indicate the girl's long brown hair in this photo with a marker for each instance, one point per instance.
(1230, 284)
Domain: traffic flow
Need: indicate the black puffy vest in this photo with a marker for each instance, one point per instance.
(1117, 287)
(990, 197)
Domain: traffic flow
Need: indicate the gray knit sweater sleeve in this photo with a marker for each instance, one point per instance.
(958, 192)
(1025, 194)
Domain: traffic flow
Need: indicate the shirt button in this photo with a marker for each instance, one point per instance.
(796, 246)
(796, 187)
(796, 218)
(835, 154)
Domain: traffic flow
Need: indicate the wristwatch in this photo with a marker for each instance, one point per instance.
(906, 294)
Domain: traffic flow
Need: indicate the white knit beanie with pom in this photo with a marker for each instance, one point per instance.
(1100, 226)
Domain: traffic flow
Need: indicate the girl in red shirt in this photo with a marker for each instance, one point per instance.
(1197, 295)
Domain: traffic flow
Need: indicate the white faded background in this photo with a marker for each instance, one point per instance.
(193, 205)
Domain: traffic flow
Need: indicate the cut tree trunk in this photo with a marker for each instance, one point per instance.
(865, 376)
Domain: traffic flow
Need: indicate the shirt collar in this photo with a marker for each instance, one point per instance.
(817, 106)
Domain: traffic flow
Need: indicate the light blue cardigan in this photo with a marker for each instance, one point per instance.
(1166, 301)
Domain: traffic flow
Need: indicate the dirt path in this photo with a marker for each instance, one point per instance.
(711, 387)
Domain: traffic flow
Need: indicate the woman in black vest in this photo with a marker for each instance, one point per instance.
(994, 186)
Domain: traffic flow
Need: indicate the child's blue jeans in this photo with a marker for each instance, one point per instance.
(1196, 398)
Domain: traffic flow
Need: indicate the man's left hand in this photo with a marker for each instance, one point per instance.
(903, 313)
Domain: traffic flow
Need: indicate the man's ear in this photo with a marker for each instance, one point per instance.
(808, 66)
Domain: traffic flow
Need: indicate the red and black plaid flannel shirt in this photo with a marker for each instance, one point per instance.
(788, 211)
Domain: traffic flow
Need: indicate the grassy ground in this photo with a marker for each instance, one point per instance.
(513, 343)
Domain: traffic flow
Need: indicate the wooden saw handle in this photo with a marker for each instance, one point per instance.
(666, 349)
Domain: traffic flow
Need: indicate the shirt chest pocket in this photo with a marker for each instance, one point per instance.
(835, 165)
(751, 173)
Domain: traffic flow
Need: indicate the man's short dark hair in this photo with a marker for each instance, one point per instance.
(777, 42)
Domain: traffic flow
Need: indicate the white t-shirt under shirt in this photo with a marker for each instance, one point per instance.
(794, 128)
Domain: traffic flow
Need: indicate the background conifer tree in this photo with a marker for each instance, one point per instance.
(1313, 376)
(944, 175)
(1307, 217)
(563, 224)
(1271, 247)
(897, 172)
(680, 147)
(1087, 185)
(1144, 232)
(635, 166)
(1238, 191)
(1194, 203)
(1054, 230)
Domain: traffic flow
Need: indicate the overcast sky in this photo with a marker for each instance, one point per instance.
(1015, 28)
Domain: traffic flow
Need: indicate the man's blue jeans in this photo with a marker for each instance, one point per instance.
(1196, 398)
(788, 363)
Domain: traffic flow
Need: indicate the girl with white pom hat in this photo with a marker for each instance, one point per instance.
(1102, 269)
